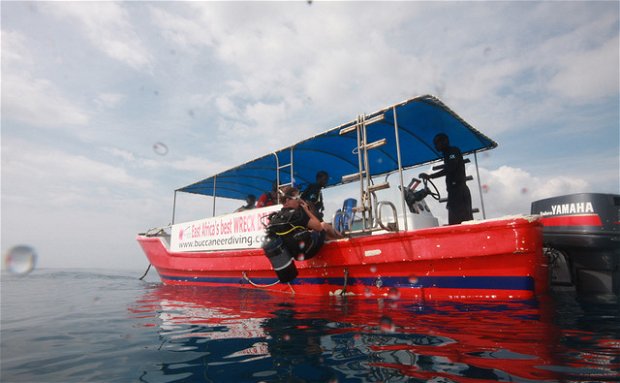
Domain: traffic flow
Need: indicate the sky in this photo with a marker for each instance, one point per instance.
(108, 107)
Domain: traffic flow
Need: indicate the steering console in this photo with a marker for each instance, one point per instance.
(412, 196)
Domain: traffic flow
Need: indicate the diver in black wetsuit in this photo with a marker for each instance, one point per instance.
(459, 197)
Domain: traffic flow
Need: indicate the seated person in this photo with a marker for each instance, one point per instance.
(292, 200)
(299, 228)
(250, 201)
(313, 193)
(270, 198)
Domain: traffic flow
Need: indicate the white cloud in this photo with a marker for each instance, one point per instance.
(576, 58)
(31, 100)
(37, 175)
(590, 74)
(499, 67)
(14, 50)
(121, 153)
(109, 28)
(38, 102)
(267, 114)
(509, 190)
(182, 31)
(226, 107)
(327, 60)
(92, 235)
(293, 61)
(108, 100)
(191, 164)
(326, 52)
(199, 165)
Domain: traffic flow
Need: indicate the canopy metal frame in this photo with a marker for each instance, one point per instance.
(242, 180)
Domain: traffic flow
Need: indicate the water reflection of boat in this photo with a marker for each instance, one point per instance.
(395, 245)
(224, 334)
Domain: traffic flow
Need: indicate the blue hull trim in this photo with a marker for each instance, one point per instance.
(496, 283)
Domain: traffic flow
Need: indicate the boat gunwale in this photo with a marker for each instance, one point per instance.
(487, 226)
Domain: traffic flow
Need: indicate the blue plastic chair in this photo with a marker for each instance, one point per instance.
(343, 219)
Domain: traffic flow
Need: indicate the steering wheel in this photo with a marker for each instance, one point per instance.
(435, 193)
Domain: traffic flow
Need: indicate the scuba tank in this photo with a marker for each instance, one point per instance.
(277, 250)
(280, 258)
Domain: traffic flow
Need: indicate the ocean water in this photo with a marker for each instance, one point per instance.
(78, 326)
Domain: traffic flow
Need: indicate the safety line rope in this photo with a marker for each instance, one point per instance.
(245, 276)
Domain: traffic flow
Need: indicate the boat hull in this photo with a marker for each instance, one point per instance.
(488, 260)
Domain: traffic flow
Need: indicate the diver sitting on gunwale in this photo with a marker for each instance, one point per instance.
(294, 232)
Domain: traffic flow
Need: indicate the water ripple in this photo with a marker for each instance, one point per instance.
(68, 327)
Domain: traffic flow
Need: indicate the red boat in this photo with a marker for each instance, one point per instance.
(391, 246)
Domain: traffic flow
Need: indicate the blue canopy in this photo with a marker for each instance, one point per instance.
(419, 120)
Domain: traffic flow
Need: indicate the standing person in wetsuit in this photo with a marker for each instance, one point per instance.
(313, 193)
(459, 197)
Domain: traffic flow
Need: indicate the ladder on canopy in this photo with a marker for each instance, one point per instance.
(369, 204)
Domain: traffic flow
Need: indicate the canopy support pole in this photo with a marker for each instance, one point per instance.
(174, 206)
(277, 175)
(214, 183)
(484, 216)
(360, 168)
(292, 167)
(400, 171)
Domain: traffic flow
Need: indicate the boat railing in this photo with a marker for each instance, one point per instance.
(157, 232)
(388, 226)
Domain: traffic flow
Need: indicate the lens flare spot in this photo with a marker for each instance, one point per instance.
(20, 260)
(160, 148)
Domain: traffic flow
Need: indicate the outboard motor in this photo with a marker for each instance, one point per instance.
(281, 259)
(582, 237)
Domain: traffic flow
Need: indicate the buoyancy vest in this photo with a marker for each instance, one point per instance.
(291, 226)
